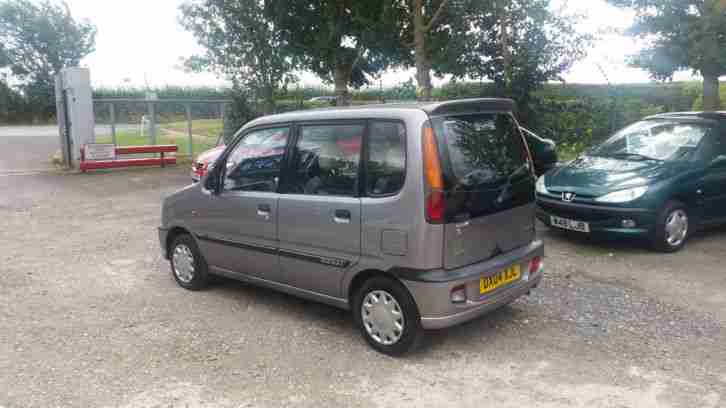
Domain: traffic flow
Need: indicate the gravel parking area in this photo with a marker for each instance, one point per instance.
(91, 316)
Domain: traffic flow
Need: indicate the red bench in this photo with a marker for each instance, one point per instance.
(131, 162)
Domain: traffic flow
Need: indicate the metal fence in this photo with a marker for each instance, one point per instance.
(133, 121)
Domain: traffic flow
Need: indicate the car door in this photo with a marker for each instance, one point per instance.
(240, 221)
(320, 209)
(714, 180)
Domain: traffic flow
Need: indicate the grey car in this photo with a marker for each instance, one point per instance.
(412, 216)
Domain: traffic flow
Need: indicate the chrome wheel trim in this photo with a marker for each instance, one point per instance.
(183, 261)
(382, 317)
(676, 227)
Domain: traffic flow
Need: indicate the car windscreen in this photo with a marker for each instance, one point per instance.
(661, 140)
(481, 151)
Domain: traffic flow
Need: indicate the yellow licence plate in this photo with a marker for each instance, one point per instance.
(502, 278)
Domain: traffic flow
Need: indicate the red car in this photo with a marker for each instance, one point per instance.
(200, 166)
(202, 162)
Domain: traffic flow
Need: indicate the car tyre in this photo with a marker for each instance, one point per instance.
(395, 307)
(188, 266)
(672, 229)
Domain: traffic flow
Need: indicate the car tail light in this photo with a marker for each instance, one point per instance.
(433, 176)
(535, 265)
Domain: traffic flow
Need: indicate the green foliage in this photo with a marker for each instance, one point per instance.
(522, 44)
(162, 92)
(344, 42)
(682, 34)
(698, 102)
(38, 40)
(241, 43)
(238, 113)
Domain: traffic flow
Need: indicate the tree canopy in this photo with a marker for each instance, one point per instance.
(38, 39)
(345, 42)
(435, 34)
(240, 42)
(522, 44)
(682, 34)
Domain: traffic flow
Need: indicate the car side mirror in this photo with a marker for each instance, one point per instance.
(210, 181)
(545, 157)
(718, 163)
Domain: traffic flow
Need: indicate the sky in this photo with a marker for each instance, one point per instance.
(140, 42)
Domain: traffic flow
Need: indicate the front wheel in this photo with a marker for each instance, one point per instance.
(188, 264)
(672, 228)
(387, 316)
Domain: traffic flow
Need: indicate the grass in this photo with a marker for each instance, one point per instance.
(199, 144)
(203, 127)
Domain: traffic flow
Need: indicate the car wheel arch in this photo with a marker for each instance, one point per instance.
(360, 278)
(174, 232)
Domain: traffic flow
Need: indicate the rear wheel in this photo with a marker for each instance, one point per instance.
(187, 264)
(672, 228)
(387, 316)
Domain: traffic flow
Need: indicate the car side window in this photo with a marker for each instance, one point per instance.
(255, 162)
(326, 159)
(386, 165)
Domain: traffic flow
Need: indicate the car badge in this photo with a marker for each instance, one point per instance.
(568, 197)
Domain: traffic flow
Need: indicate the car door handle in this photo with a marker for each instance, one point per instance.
(342, 217)
(263, 210)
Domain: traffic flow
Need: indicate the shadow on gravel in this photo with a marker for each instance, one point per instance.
(461, 337)
(283, 303)
(601, 244)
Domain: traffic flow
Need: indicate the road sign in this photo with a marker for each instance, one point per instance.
(97, 151)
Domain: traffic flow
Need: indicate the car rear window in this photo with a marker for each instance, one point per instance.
(481, 151)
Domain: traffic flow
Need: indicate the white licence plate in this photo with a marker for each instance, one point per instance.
(571, 225)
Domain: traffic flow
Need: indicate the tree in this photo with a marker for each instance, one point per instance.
(342, 41)
(38, 40)
(522, 44)
(682, 34)
(436, 32)
(241, 43)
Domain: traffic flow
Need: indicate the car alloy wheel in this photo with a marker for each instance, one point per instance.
(676, 227)
(382, 317)
(183, 260)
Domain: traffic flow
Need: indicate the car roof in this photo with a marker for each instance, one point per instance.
(456, 106)
(708, 116)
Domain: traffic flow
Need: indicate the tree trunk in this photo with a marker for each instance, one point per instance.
(505, 42)
(711, 97)
(423, 74)
(268, 100)
(342, 78)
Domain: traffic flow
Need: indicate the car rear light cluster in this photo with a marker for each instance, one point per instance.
(201, 168)
(434, 203)
(535, 265)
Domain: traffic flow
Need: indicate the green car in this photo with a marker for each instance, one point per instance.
(660, 179)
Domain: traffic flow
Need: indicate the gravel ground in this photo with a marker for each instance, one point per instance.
(90, 316)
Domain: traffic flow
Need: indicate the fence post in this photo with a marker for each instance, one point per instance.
(222, 109)
(64, 132)
(112, 114)
(189, 130)
(152, 122)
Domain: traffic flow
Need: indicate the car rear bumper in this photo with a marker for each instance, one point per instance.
(602, 220)
(432, 289)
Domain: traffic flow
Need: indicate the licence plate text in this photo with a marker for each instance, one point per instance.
(571, 225)
(502, 278)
